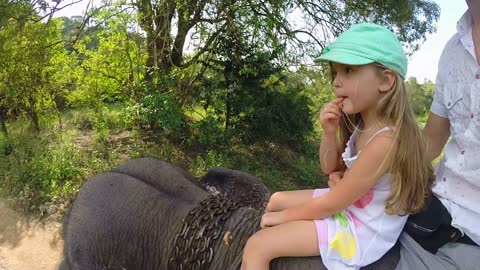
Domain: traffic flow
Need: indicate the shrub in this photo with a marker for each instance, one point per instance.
(163, 113)
(207, 132)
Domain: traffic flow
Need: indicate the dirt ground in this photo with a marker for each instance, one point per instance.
(28, 244)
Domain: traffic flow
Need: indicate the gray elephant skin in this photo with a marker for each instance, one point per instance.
(127, 219)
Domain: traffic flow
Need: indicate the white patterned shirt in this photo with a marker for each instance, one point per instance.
(457, 98)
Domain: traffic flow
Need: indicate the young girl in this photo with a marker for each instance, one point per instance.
(381, 177)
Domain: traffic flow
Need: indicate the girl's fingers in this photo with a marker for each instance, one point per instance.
(331, 184)
(339, 104)
(334, 178)
(333, 109)
(338, 100)
(336, 174)
(329, 116)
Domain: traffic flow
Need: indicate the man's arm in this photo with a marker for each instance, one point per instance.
(437, 132)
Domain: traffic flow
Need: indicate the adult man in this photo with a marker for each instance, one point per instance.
(453, 213)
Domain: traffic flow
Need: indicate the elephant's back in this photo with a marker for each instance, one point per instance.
(116, 220)
(166, 177)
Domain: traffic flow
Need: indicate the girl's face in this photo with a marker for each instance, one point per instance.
(360, 86)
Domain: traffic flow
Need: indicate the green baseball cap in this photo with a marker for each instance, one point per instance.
(366, 43)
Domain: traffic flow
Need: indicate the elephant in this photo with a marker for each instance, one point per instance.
(130, 218)
(239, 186)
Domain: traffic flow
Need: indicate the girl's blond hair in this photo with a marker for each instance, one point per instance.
(411, 169)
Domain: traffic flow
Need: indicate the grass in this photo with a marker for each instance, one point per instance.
(48, 168)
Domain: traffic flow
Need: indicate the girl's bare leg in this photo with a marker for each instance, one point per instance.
(292, 239)
(285, 199)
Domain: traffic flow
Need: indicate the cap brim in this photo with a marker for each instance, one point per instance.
(345, 58)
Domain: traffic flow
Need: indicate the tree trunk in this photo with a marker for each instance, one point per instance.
(59, 117)
(3, 119)
(150, 66)
(131, 78)
(227, 111)
(32, 111)
(35, 120)
(3, 125)
(229, 83)
(163, 22)
(156, 21)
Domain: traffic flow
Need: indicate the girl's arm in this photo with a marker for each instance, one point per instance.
(330, 121)
(372, 163)
(329, 153)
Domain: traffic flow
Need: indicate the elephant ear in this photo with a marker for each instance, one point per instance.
(244, 188)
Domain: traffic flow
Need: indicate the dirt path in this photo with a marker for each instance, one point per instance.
(27, 244)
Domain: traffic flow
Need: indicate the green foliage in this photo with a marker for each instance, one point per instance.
(112, 117)
(308, 171)
(421, 96)
(315, 84)
(207, 132)
(83, 119)
(411, 20)
(162, 112)
(211, 24)
(201, 164)
(280, 115)
(31, 60)
(39, 171)
(110, 69)
(307, 167)
(6, 147)
(254, 97)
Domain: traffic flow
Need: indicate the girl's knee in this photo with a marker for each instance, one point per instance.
(256, 254)
(256, 246)
(274, 202)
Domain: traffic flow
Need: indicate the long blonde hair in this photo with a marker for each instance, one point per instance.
(412, 171)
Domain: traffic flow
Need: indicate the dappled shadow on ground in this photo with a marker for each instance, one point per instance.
(27, 243)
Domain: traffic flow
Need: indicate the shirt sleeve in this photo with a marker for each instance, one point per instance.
(438, 104)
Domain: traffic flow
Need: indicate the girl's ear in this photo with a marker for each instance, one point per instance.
(387, 81)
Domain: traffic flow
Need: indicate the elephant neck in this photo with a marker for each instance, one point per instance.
(238, 228)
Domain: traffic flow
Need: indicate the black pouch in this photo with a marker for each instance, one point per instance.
(431, 228)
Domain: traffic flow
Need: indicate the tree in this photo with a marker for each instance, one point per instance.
(28, 41)
(110, 69)
(27, 68)
(170, 23)
(421, 96)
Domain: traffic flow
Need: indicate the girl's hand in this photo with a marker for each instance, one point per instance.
(270, 219)
(330, 116)
(334, 178)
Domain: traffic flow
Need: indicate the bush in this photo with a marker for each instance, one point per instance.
(278, 117)
(40, 172)
(307, 172)
(201, 164)
(6, 146)
(83, 119)
(163, 113)
(207, 132)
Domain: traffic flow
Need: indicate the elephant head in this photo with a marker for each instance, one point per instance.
(238, 186)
